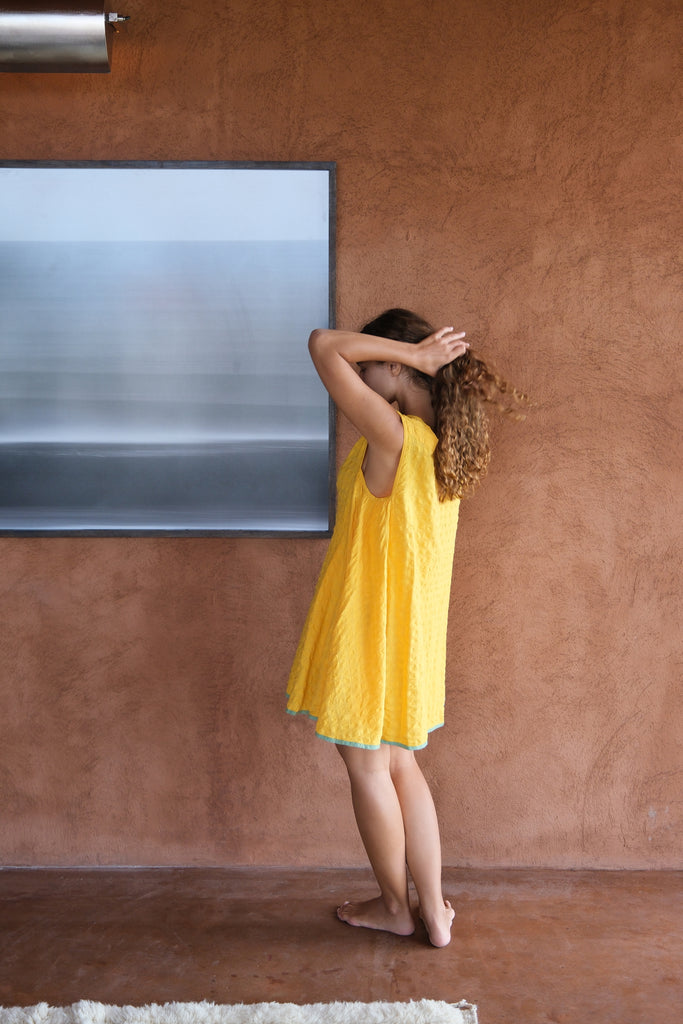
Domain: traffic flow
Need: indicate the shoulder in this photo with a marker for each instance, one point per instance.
(418, 433)
(416, 468)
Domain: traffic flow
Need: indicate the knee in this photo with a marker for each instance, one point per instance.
(402, 764)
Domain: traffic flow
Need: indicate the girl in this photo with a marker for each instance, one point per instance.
(370, 666)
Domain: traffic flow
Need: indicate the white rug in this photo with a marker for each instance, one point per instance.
(425, 1011)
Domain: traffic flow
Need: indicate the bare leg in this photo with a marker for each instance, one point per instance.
(380, 823)
(423, 844)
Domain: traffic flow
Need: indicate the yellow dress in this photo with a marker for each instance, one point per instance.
(370, 665)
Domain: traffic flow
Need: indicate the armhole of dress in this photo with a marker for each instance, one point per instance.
(367, 493)
(407, 441)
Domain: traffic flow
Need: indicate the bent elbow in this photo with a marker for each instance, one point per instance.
(316, 340)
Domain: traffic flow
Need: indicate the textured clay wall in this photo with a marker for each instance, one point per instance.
(507, 167)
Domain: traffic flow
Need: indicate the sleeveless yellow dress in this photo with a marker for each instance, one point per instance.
(370, 665)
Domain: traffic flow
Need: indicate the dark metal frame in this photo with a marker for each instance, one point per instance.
(330, 167)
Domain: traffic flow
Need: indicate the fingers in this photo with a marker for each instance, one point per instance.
(450, 333)
(453, 342)
(442, 347)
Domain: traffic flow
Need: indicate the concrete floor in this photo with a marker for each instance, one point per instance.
(529, 947)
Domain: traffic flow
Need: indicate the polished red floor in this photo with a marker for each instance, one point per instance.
(529, 947)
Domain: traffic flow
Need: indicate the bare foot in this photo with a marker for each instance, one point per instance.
(374, 914)
(439, 926)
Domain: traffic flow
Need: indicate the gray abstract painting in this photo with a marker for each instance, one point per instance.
(154, 373)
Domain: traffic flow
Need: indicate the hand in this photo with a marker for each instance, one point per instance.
(440, 348)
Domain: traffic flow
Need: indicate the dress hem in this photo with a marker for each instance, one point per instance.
(364, 746)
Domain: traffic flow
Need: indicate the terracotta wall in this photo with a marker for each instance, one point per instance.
(510, 168)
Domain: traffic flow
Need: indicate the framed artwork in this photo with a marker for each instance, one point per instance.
(154, 371)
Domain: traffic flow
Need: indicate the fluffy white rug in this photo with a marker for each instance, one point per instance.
(425, 1011)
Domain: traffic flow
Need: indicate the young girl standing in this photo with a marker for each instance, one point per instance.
(370, 666)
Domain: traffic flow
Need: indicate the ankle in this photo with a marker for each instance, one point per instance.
(394, 905)
(432, 910)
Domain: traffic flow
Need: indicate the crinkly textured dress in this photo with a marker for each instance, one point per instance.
(370, 666)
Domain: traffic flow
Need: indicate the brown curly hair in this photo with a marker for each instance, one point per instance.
(460, 392)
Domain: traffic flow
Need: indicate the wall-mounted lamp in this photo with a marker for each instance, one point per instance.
(57, 36)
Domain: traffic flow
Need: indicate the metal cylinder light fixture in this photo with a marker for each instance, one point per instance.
(55, 36)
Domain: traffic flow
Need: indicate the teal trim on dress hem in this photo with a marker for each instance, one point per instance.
(361, 746)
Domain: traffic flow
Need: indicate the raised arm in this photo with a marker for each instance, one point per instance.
(336, 355)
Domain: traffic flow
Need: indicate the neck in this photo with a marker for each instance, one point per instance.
(415, 401)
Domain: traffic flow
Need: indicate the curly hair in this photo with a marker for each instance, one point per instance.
(461, 392)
